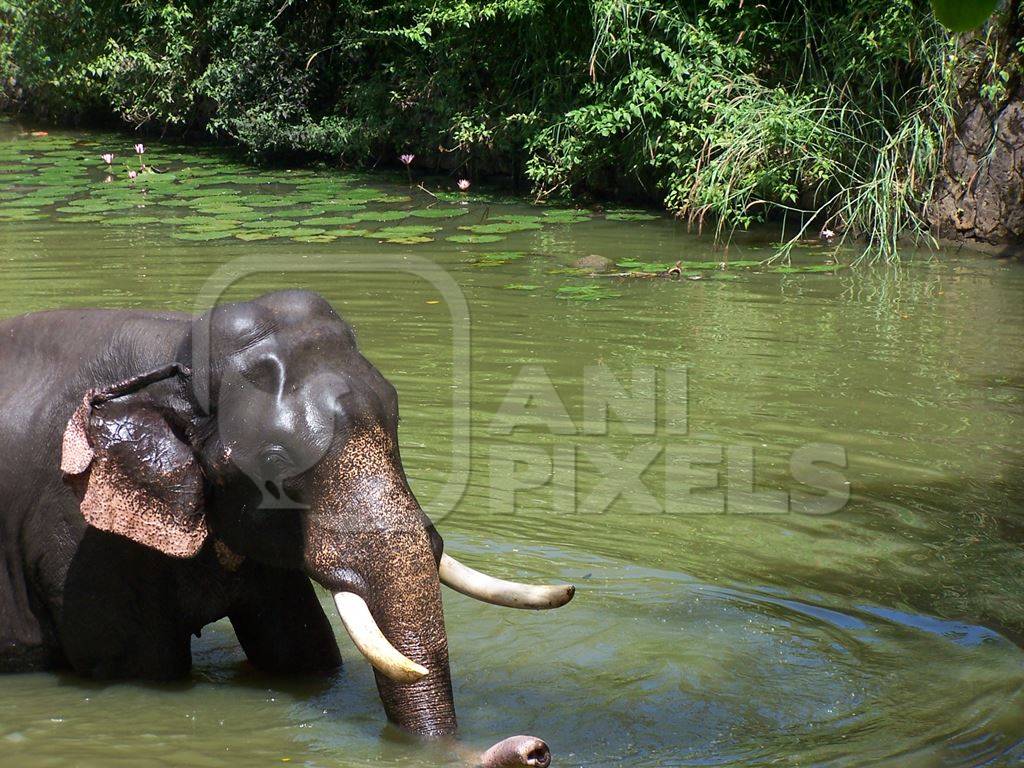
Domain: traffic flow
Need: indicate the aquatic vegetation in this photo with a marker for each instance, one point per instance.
(203, 236)
(501, 228)
(380, 216)
(566, 216)
(827, 115)
(631, 216)
(496, 258)
(586, 293)
(474, 239)
(349, 232)
(322, 238)
(794, 269)
(520, 287)
(404, 230)
(438, 213)
(201, 196)
(329, 221)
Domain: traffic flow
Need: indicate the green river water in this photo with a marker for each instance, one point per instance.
(715, 623)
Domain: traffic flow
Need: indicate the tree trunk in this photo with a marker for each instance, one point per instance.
(979, 195)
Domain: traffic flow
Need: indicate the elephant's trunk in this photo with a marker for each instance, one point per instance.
(407, 606)
(368, 542)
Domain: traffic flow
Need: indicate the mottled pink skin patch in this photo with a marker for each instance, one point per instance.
(139, 480)
(229, 560)
(115, 503)
(76, 453)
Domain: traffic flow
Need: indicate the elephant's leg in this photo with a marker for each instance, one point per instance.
(281, 626)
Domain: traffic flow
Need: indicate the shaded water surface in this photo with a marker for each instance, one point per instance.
(711, 627)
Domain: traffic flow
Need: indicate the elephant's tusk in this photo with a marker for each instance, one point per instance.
(464, 579)
(359, 623)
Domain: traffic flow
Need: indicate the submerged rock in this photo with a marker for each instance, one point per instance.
(594, 263)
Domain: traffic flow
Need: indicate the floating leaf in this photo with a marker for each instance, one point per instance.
(520, 287)
(585, 293)
(119, 220)
(631, 216)
(329, 221)
(301, 212)
(349, 232)
(405, 230)
(202, 236)
(297, 231)
(474, 239)
(381, 215)
(807, 268)
(500, 228)
(496, 257)
(257, 235)
(438, 213)
(409, 240)
(325, 238)
(644, 267)
(271, 224)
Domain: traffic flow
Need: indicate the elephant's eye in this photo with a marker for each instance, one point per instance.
(262, 374)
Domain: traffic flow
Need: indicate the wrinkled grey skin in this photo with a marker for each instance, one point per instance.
(297, 473)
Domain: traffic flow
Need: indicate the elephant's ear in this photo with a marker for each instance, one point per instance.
(134, 475)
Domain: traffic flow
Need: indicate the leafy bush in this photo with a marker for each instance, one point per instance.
(828, 113)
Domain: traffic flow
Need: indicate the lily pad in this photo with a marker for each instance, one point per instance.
(250, 236)
(348, 232)
(644, 267)
(131, 220)
(408, 240)
(585, 293)
(332, 221)
(807, 269)
(381, 215)
(496, 258)
(405, 230)
(500, 228)
(438, 213)
(297, 231)
(203, 236)
(474, 239)
(324, 238)
(631, 216)
(520, 287)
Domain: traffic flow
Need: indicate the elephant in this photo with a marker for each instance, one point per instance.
(160, 471)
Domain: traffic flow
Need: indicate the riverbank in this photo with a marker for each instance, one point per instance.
(834, 116)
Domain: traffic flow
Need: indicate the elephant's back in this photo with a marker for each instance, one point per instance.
(45, 353)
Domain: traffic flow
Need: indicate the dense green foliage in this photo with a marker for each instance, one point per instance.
(725, 110)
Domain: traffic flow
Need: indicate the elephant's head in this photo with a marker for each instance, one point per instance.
(273, 435)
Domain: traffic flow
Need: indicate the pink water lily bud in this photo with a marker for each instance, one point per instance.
(463, 184)
(132, 175)
(107, 157)
(139, 149)
(407, 159)
(107, 179)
